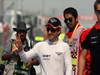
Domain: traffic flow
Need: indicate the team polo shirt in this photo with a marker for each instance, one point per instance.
(90, 40)
(54, 57)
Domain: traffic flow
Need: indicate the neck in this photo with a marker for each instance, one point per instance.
(75, 26)
(53, 40)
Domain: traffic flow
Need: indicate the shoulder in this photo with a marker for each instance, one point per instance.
(63, 44)
(65, 47)
(85, 33)
(81, 29)
(40, 43)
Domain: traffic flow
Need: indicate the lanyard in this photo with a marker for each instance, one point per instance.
(73, 34)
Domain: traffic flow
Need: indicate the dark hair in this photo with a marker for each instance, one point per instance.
(95, 4)
(72, 11)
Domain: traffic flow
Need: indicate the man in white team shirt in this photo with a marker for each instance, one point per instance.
(53, 54)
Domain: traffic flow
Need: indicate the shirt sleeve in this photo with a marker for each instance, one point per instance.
(84, 40)
(68, 61)
(27, 56)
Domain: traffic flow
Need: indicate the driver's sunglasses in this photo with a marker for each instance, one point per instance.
(98, 11)
(67, 20)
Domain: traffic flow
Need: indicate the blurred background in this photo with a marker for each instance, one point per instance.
(36, 13)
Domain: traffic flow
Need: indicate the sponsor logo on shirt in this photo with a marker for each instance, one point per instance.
(59, 53)
(46, 57)
(94, 39)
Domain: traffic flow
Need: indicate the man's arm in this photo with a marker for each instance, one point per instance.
(82, 62)
(25, 56)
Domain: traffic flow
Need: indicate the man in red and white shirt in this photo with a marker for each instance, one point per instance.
(74, 31)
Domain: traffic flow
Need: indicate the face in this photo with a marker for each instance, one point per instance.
(52, 33)
(98, 12)
(21, 35)
(70, 21)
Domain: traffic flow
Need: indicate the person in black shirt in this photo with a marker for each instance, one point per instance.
(90, 40)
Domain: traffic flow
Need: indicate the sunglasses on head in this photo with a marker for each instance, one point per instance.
(68, 20)
(52, 28)
(98, 11)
